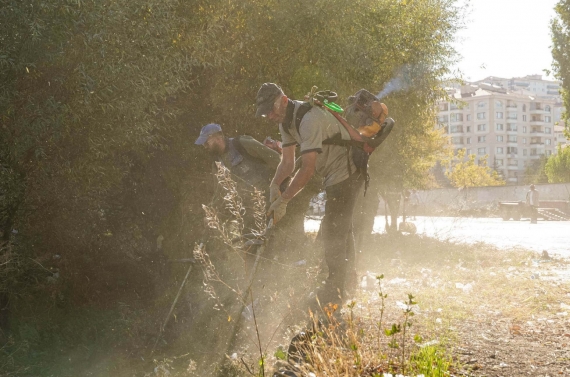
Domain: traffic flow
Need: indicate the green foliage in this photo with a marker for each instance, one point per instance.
(465, 172)
(557, 167)
(101, 100)
(560, 29)
(280, 354)
(535, 172)
(431, 361)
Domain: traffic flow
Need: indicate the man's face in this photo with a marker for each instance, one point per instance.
(277, 114)
(215, 145)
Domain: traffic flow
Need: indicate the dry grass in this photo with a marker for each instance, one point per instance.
(478, 307)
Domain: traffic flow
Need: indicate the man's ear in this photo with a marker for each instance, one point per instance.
(284, 99)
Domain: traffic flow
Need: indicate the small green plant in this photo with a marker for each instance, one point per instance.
(431, 361)
(408, 312)
(382, 296)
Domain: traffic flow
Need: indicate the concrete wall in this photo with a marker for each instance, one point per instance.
(444, 201)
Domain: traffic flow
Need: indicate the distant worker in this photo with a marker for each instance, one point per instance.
(333, 162)
(532, 200)
(251, 163)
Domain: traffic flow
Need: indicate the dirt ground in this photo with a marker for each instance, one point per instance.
(495, 312)
(499, 313)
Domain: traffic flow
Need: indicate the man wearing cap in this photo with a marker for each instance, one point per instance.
(332, 162)
(250, 162)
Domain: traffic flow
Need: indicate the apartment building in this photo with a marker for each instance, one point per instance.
(531, 83)
(512, 128)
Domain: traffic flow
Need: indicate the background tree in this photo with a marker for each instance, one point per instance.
(560, 29)
(557, 167)
(101, 101)
(464, 171)
(535, 172)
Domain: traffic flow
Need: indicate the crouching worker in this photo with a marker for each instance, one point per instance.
(251, 164)
(333, 162)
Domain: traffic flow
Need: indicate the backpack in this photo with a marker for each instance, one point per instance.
(236, 142)
(359, 147)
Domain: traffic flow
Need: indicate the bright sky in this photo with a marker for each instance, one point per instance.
(506, 38)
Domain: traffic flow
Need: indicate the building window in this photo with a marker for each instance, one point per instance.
(499, 150)
(499, 115)
(512, 139)
(547, 119)
(547, 108)
(456, 117)
(455, 129)
(499, 162)
(547, 130)
(548, 141)
(524, 140)
(524, 118)
(468, 129)
(498, 104)
(548, 153)
(443, 118)
(482, 104)
(453, 106)
(481, 127)
(499, 137)
(481, 139)
(468, 141)
(480, 115)
(443, 106)
(524, 152)
(524, 129)
(468, 116)
(499, 127)
(481, 151)
(511, 127)
(457, 140)
(467, 152)
(524, 108)
(512, 115)
(511, 150)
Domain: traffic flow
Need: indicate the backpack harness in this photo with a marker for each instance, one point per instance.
(360, 146)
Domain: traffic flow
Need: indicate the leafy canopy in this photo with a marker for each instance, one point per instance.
(464, 171)
(560, 30)
(558, 166)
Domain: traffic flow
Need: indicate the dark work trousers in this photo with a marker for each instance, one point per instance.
(338, 237)
(533, 214)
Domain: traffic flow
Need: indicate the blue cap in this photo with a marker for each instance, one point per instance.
(206, 131)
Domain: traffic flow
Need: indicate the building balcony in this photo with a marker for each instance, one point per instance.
(512, 107)
(512, 131)
(512, 167)
(537, 143)
(538, 111)
(512, 143)
(538, 123)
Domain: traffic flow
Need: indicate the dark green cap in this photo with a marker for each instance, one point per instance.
(266, 96)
